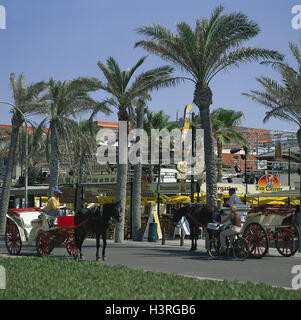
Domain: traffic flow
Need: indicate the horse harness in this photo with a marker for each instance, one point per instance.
(188, 214)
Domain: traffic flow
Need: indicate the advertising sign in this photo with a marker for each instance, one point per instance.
(268, 183)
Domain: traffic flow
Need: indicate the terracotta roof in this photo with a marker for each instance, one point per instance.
(8, 126)
(107, 124)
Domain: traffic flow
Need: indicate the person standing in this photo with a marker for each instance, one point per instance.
(233, 198)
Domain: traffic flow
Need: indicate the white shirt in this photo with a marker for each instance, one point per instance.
(234, 200)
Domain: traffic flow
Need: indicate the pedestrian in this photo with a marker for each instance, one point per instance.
(233, 198)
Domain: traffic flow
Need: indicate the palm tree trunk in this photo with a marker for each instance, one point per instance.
(203, 99)
(136, 198)
(54, 162)
(299, 138)
(122, 176)
(220, 161)
(7, 180)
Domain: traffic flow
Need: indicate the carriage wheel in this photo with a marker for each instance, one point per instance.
(70, 245)
(42, 245)
(12, 239)
(51, 244)
(287, 241)
(257, 239)
(241, 249)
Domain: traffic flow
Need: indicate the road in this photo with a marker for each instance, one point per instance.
(273, 269)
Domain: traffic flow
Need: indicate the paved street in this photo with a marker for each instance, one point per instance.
(171, 257)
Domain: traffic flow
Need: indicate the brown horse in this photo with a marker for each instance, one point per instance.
(96, 220)
(197, 216)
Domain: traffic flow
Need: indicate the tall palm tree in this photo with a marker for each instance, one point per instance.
(137, 178)
(153, 120)
(26, 102)
(214, 45)
(62, 103)
(283, 99)
(222, 121)
(123, 91)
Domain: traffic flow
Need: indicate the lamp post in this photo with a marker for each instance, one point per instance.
(246, 181)
(193, 156)
(26, 152)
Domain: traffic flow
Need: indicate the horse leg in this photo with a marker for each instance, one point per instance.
(192, 240)
(195, 237)
(77, 244)
(81, 256)
(81, 238)
(97, 246)
(104, 241)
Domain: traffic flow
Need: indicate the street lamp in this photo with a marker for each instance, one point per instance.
(26, 152)
(246, 180)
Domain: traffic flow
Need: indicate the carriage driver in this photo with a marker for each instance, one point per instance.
(233, 229)
(53, 208)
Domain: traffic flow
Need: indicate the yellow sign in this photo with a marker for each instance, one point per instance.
(158, 225)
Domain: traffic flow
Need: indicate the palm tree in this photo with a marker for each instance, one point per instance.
(282, 99)
(64, 101)
(222, 121)
(137, 178)
(158, 120)
(123, 91)
(4, 148)
(26, 102)
(83, 146)
(154, 120)
(36, 150)
(214, 45)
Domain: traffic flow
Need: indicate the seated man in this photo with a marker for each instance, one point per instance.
(233, 229)
(53, 208)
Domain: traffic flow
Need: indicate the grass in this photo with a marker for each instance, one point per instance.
(32, 278)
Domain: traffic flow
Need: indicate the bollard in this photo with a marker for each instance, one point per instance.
(152, 232)
(163, 236)
(181, 238)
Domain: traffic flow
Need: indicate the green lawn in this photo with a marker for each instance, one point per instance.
(50, 278)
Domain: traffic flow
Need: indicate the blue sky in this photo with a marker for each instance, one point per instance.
(65, 39)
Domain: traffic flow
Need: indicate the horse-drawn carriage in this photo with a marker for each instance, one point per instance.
(262, 224)
(271, 222)
(29, 226)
